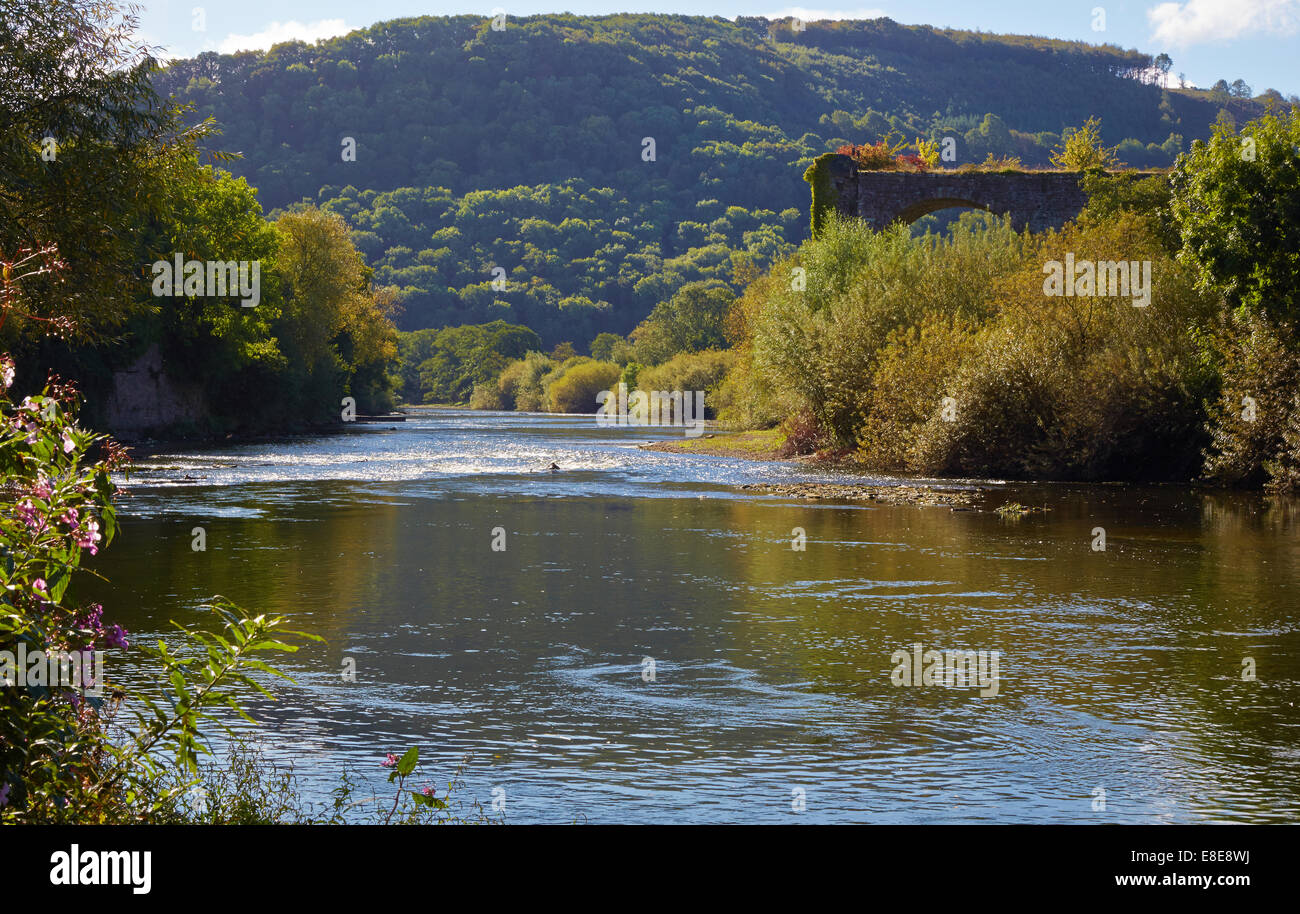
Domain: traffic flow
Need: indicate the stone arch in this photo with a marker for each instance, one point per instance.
(1036, 200)
(910, 214)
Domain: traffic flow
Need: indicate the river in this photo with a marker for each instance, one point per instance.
(648, 647)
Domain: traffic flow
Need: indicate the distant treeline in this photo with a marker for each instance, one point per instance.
(567, 259)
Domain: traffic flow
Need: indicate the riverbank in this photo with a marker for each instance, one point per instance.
(769, 444)
(891, 494)
(766, 444)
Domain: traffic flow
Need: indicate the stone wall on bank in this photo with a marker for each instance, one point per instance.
(1034, 200)
(145, 401)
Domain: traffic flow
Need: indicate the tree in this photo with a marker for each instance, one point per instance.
(692, 320)
(991, 137)
(443, 366)
(335, 330)
(563, 351)
(211, 341)
(1237, 215)
(1082, 150)
(1163, 63)
(610, 347)
(86, 150)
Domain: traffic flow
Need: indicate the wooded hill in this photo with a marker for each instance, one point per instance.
(524, 148)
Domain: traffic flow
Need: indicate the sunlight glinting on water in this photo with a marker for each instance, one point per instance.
(772, 666)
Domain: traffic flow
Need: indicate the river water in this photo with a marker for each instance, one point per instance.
(1154, 681)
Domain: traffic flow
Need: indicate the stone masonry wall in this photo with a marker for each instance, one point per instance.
(1037, 200)
(146, 401)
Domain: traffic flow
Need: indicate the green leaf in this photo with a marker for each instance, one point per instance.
(58, 584)
(406, 764)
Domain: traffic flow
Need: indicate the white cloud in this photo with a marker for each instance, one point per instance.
(277, 32)
(807, 15)
(1198, 21)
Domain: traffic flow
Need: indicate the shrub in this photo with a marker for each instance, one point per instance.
(1249, 423)
(803, 436)
(876, 156)
(1081, 149)
(993, 163)
(816, 347)
(887, 155)
(1002, 398)
(64, 755)
(519, 385)
(1083, 387)
(573, 387)
(486, 396)
(914, 372)
(1284, 472)
(745, 397)
(691, 371)
(631, 372)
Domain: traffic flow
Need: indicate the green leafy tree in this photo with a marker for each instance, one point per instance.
(449, 363)
(335, 328)
(86, 150)
(693, 319)
(228, 351)
(1164, 63)
(1082, 150)
(610, 347)
(1236, 210)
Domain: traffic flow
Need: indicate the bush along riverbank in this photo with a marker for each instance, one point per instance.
(1154, 338)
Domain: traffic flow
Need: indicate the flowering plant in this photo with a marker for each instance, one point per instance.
(59, 759)
(58, 509)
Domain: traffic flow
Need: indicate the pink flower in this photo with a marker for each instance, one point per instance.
(7, 371)
(30, 516)
(68, 443)
(88, 536)
(39, 586)
(390, 762)
(116, 636)
(91, 620)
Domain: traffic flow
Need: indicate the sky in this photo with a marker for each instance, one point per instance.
(1255, 40)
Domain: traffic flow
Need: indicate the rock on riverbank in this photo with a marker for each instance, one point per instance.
(925, 496)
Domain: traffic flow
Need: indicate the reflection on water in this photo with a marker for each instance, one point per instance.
(1119, 669)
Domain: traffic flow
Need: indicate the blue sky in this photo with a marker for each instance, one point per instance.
(1256, 40)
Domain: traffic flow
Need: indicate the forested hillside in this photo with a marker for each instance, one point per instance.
(553, 117)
